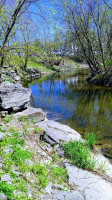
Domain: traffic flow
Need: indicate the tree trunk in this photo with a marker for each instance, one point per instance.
(1, 66)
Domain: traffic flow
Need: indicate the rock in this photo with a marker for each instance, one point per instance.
(3, 113)
(1, 165)
(63, 195)
(29, 162)
(7, 150)
(30, 193)
(3, 196)
(90, 185)
(48, 189)
(17, 78)
(36, 114)
(5, 83)
(6, 178)
(76, 195)
(2, 136)
(14, 97)
(56, 132)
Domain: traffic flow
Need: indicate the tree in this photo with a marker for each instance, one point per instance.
(19, 8)
(90, 25)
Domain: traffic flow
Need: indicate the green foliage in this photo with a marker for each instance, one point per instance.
(20, 184)
(108, 63)
(7, 119)
(36, 130)
(19, 156)
(39, 169)
(22, 118)
(42, 174)
(79, 154)
(7, 189)
(42, 182)
(59, 173)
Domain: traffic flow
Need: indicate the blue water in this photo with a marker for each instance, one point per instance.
(69, 99)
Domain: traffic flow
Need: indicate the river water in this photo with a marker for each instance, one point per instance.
(69, 99)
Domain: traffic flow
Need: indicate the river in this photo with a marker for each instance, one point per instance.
(69, 99)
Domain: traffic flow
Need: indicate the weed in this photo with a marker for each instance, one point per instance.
(36, 130)
(59, 173)
(39, 169)
(19, 156)
(7, 189)
(42, 182)
(22, 118)
(20, 185)
(79, 154)
(7, 119)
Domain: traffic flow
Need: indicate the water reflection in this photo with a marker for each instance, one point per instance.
(69, 99)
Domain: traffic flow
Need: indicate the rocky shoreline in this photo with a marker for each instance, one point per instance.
(44, 139)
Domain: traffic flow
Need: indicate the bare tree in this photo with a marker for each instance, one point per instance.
(18, 9)
(88, 22)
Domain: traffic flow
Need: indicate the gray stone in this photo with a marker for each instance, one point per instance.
(36, 114)
(30, 193)
(56, 132)
(76, 195)
(7, 150)
(48, 189)
(29, 162)
(3, 196)
(2, 136)
(90, 185)
(3, 113)
(1, 165)
(5, 83)
(14, 97)
(16, 78)
(6, 178)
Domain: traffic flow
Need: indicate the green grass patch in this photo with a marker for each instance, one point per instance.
(79, 154)
(7, 189)
(19, 156)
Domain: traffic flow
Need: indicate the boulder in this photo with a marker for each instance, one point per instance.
(14, 97)
(56, 132)
(36, 114)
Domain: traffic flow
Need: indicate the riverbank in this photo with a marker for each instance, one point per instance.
(34, 166)
(42, 170)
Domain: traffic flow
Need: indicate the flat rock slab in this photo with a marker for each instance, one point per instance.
(63, 195)
(56, 132)
(36, 114)
(90, 185)
(14, 97)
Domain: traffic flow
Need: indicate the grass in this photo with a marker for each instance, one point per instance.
(7, 189)
(32, 62)
(91, 139)
(79, 154)
(43, 173)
